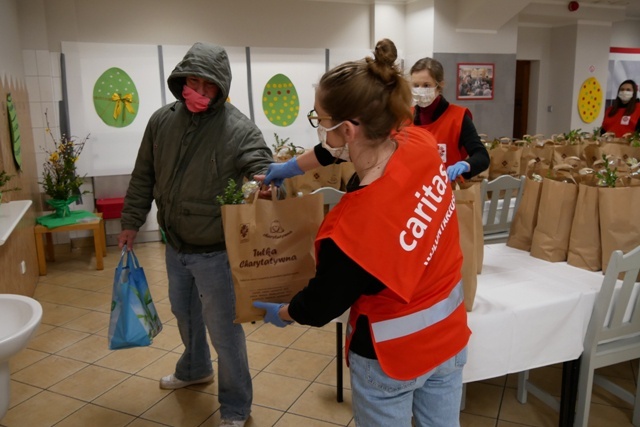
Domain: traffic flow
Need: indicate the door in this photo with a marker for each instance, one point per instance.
(521, 102)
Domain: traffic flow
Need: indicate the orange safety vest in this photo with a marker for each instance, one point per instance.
(403, 230)
(447, 129)
(621, 123)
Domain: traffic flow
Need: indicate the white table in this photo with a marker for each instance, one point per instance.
(527, 313)
(530, 313)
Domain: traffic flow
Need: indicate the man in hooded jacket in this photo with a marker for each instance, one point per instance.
(189, 151)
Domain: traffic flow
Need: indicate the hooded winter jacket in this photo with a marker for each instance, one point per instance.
(186, 159)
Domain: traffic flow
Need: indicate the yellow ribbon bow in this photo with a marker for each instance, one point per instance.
(126, 100)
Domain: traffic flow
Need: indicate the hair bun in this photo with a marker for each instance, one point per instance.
(386, 52)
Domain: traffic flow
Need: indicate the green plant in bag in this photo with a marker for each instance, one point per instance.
(634, 139)
(232, 195)
(573, 136)
(283, 150)
(607, 175)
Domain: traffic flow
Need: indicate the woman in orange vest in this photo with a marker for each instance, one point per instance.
(460, 147)
(623, 116)
(389, 250)
(458, 142)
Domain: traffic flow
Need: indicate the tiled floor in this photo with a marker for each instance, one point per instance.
(67, 377)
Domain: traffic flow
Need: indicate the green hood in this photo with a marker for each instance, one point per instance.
(206, 61)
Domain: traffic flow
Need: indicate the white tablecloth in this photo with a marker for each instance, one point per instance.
(527, 313)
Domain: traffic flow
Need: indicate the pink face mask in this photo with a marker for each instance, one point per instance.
(195, 102)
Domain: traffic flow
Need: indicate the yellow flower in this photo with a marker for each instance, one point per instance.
(54, 157)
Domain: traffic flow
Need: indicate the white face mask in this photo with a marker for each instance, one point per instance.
(340, 152)
(423, 96)
(625, 95)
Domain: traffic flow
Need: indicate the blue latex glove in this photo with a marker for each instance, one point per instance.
(271, 315)
(277, 172)
(457, 169)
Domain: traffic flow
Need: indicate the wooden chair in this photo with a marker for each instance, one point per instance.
(613, 336)
(331, 198)
(502, 195)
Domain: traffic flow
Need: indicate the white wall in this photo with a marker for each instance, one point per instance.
(10, 52)
(256, 23)
(560, 83)
(451, 40)
(626, 34)
(420, 31)
(389, 22)
(534, 44)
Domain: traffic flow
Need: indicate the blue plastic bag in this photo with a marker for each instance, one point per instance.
(134, 320)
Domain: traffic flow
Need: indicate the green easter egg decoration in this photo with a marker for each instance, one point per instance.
(115, 98)
(280, 101)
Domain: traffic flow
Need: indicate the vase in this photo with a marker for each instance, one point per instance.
(61, 207)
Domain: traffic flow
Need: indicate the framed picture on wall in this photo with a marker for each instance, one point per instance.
(475, 81)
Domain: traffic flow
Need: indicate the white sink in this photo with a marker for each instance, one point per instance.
(19, 319)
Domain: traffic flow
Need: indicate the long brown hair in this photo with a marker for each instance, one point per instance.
(371, 91)
(630, 107)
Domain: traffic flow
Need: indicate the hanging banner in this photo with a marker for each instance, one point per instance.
(14, 129)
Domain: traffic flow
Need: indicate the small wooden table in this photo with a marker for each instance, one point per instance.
(99, 241)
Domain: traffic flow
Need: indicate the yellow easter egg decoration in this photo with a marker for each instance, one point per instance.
(590, 100)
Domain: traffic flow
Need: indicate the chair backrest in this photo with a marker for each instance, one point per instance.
(616, 313)
(331, 196)
(502, 195)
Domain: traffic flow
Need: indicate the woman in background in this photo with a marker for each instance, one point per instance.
(458, 142)
(623, 116)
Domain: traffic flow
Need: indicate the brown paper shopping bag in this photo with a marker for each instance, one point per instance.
(619, 225)
(323, 176)
(550, 240)
(270, 244)
(471, 239)
(585, 249)
(505, 160)
(526, 217)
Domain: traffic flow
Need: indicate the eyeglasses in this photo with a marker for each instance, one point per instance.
(314, 119)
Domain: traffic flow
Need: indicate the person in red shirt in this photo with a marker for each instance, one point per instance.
(623, 116)
(389, 251)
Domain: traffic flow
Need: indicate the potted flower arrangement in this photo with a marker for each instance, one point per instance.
(60, 179)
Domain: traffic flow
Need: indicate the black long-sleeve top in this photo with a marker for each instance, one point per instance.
(338, 283)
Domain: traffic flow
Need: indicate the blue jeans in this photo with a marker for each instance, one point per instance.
(202, 297)
(433, 399)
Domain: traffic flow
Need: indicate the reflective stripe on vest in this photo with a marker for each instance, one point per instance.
(412, 323)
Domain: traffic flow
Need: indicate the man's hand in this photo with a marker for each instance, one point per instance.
(127, 237)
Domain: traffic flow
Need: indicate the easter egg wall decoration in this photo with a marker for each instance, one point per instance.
(280, 101)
